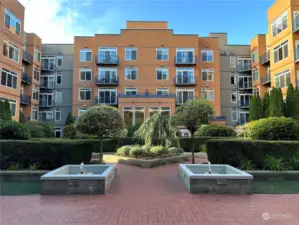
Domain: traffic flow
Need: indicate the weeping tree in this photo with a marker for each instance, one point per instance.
(192, 115)
(158, 130)
(100, 121)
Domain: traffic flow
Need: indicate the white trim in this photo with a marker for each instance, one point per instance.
(284, 74)
(276, 49)
(17, 20)
(208, 90)
(185, 50)
(207, 51)
(38, 54)
(37, 113)
(207, 71)
(234, 111)
(85, 70)
(11, 73)
(256, 53)
(14, 46)
(36, 91)
(162, 54)
(59, 74)
(130, 88)
(231, 99)
(86, 89)
(85, 50)
(59, 57)
(59, 114)
(58, 102)
(133, 110)
(57, 129)
(280, 17)
(162, 69)
(131, 68)
(230, 61)
(162, 90)
(131, 49)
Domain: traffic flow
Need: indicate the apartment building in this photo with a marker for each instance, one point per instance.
(145, 69)
(275, 56)
(30, 78)
(11, 42)
(56, 83)
(235, 80)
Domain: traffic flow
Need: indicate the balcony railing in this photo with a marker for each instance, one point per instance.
(245, 86)
(25, 99)
(265, 79)
(46, 104)
(47, 84)
(26, 78)
(147, 95)
(106, 60)
(244, 68)
(296, 23)
(182, 99)
(48, 66)
(27, 57)
(112, 81)
(265, 59)
(244, 104)
(111, 100)
(217, 118)
(185, 60)
(184, 81)
(45, 119)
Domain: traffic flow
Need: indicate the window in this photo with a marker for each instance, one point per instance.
(184, 95)
(256, 91)
(234, 115)
(46, 116)
(165, 111)
(162, 53)
(34, 114)
(48, 63)
(281, 52)
(133, 115)
(185, 55)
(283, 79)
(85, 74)
(234, 98)
(279, 24)
(131, 53)
(207, 74)
(207, 55)
(9, 78)
(85, 55)
(59, 60)
(128, 116)
(58, 78)
(207, 94)
(233, 79)
(245, 82)
(35, 94)
(162, 91)
(244, 117)
(107, 96)
(12, 104)
(36, 74)
(11, 51)
(46, 99)
(254, 56)
(107, 75)
(233, 61)
(162, 73)
(131, 74)
(57, 114)
(162, 110)
(107, 55)
(12, 22)
(47, 81)
(81, 110)
(130, 91)
(57, 132)
(153, 110)
(244, 100)
(255, 74)
(36, 55)
(58, 97)
(84, 94)
(185, 76)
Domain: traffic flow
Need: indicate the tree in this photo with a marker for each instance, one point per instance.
(296, 104)
(69, 119)
(289, 106)
(192, 115)
(276, 103)
(158, 130)
(252, 108)
(5, 113)
(266, 105)
(21, 117)
(101, 121)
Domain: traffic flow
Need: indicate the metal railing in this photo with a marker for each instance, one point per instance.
(106, 81)
(47, 84)
(25, 99)
(185, 60)
(106, 60)
(27, 57)
(296, 54)
(244, 104)
(243, 68)
(111, 100)
(265, 58)
(182, 99)
(181, 80)
(217, 118)
(265, 79)
(26, 78)
(46, 104)
(147, 95)
(50, 66)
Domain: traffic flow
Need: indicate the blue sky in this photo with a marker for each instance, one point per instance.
(241, 19)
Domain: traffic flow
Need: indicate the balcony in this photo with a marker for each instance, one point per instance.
(27, 57)
(296, 24)
(244, 68)
(26, 78)
(265, 79)
(185, 81)
(47, 85)
(110, 100)
(45, 119)
(147, 95)
(106, 60)
(46, 104)
(185, 61)
(180, 100)
(48, 66)
(110, 81)
(265, 59)
(244, 104)
(25, 99)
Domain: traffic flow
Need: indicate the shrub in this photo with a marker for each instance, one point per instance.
(215, 131)
(123, 151)
(40, 129)
(136, 151)
(233, 151)
(242, 131)
(293, 162)
(5, 113)
(146, 148)
(69, 131)
(46, 154)
(132, 129)
(274, 128)
(175, 151)
(159, 150)
(13, 130)
(273, 163)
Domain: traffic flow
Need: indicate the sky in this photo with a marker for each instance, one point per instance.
(58, 21)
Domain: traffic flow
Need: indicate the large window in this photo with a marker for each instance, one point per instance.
(207, 55)
(255, 74)
(84, 94)
(9, 78)
(279, 24)
(12, 22)
(162, 73)
(185, 55)
(108, 75)
(162, 91)
(131, 74)
(184, 95)
(233, 61)
(107, 96)
(36, 55)
(185, 75)
(207, 74)
(130, 91)
(46, 99)
(244, 100)
(34, 114)
(59, 60)
(244, 117)
(283, 79)
(244, 63)
(85, 55)
(207, 94)
(35, 94)
(162, 53)
(162, 110)
(46, 115)
(245, 82)
(11, 51)
(57, 114)
(281, 52)
(107, 54)
(47, 81)
(12, 104)
(48, 63)
(254, 56)
(58, 97)
(85, 74)
(133, 115)
(36, 74)
(131, 53)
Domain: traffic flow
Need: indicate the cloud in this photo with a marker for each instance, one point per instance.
(58, 21)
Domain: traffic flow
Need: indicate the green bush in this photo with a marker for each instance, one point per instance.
(159, 150)
(69, 131)
(175, 150)
(46, 154)
(13, 130)
(136, 152)
(274, 128)
(232, 152)
(146, 148)
(273, 163)
(123, 151)
(215, 131)
(39, 129)
(132, 129)
(242, 131)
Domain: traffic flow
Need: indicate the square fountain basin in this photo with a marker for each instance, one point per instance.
(96, 179)
(225, 179)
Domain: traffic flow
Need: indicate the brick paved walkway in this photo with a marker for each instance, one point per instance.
(150, 197)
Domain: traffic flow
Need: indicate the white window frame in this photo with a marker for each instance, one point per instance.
(284, 74)
(207, 71)
(51, 61)
(85, 89)
(37, 55)
(130, 69)
(163, 70)
(276, 49)
(207, 51)
(85, 70)
(254, 74)
(104, 69)
(35, 91)
(59, 74)
(56, 98)
(59, 114)
(159, 109)
(231, 97)
(256, 91)
(130, 57)
(12, 103)
(107, 49)
(243, 112)
(34, 110)
(59, 130)
(12, 19)
(164, 91)
(13, 75)
(208, 90)
(188, 90)
(57, 60)
(47, 114)
(132, 89)
(233, 61)
(85, 50)
(134, 110)
(232, 117)
(81, 110)
(278, 21)
(49, 103)
(15, 48)
(254, 59)
(34, 72)
(234, 75)
(111, 90)
(163, 50)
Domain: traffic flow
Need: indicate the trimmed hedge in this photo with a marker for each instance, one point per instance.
(39, 129)
(46, 154)
(13, 130)
(215, 131)
(232, 152)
